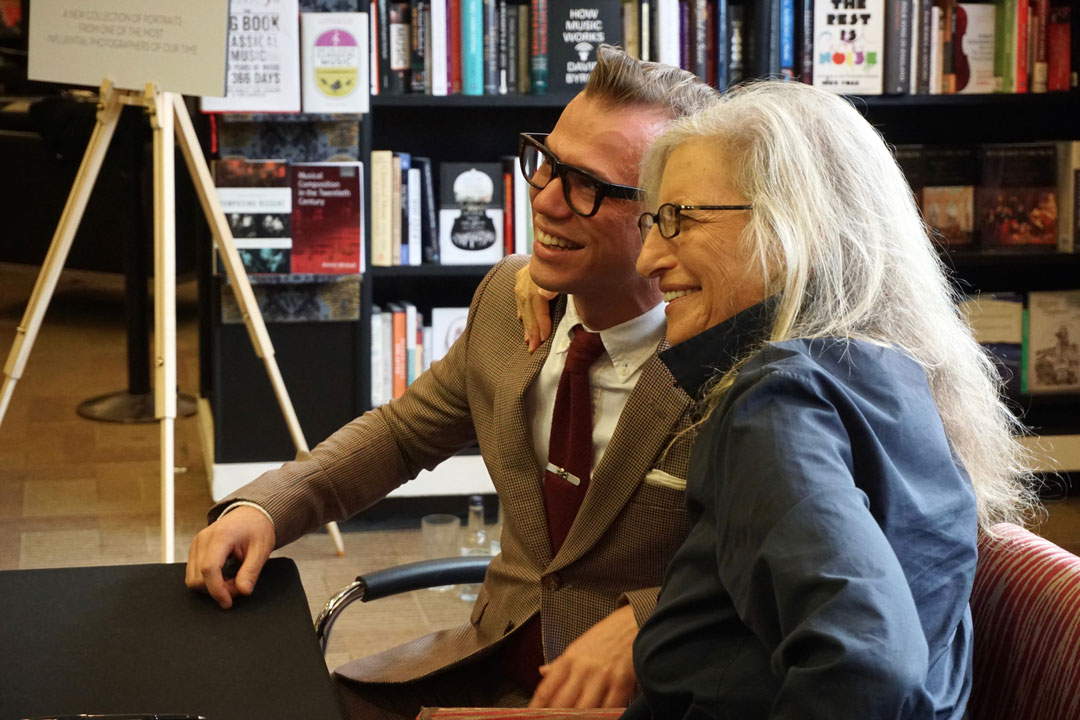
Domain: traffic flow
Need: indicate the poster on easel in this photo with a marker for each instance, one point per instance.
(178, 47)
(263, 72)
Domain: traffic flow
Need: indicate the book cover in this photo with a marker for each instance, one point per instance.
(470, 213)
(1054, 341)
(974, 48)
(948, 194)
(257, 202)
(334, 62)
(849, 48)
(997, 321)
(328, 218)
(1016, 199)
(577, 28)
(263, 58)
(447, 324)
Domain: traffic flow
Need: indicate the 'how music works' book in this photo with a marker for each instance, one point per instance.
(257, 202)
(470, 213)
(328, 218)
(575, 30)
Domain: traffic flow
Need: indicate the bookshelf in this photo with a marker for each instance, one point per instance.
(327, 365)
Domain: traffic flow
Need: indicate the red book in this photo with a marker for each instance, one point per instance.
(400, 354)
(453, 30)
(1058, 49)
(509, 165)
(327, 218)
(1022, 46)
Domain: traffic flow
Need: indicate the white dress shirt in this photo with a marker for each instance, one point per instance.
(627, 346)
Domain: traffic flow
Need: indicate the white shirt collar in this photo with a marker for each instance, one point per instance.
(628, 345)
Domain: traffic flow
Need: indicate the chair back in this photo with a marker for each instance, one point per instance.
(1025, 604)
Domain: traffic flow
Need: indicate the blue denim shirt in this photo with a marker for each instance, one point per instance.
(833, 542)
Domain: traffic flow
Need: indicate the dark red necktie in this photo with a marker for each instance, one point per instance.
(570, 450)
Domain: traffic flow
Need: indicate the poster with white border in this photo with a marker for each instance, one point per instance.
(178, 46)
(263, 58)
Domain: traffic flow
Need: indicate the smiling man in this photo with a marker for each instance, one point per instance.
(577, 439)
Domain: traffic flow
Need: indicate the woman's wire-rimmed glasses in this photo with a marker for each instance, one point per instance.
(583, 190)
(669, 216)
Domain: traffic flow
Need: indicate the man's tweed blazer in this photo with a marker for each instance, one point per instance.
(616, 551)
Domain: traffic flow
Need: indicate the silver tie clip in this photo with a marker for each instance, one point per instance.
(562, 472)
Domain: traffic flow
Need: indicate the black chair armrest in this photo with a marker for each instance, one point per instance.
(399, 579)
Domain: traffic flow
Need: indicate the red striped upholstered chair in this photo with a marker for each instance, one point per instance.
(1026, 609)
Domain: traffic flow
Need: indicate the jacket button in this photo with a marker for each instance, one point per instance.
(552, 582)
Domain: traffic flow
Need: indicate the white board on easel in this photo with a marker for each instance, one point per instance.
(178, 46)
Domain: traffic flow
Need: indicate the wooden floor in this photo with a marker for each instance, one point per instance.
(78, 492)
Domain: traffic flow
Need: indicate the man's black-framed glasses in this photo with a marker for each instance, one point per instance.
(583, 190)
(669, 216)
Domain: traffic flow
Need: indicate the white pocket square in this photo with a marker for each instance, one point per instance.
(663, 479)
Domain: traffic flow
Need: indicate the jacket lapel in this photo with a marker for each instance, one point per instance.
(651, 414)
(523, 491)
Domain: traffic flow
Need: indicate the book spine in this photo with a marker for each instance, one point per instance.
(374, 76)
(395, 210)
(1040, 68)
(523, 58)
(1058, 49)
(400, 374)
(509, 164)
(897, 46)
(513, 47)
(472, 46)
(926, 31)
(787, 39)
(491, 47)
(1005, 46)
(937, 29)
(453, 35)
(645, 25)
(1022, 8)
(805, 38)
(439, 51)
(522, 214)
(415, 223)
(667, 28)
(721, 50)
(383, 34)
(631, 31)
(400, 48)
(686, 47)
(378, 358)
(429, 231)
(948, 73)
(381, 198)
(1068, 170)
(737, 44)
(417, 32)
(538, 47)
(410, 343)
(701, 41)
(502, 42)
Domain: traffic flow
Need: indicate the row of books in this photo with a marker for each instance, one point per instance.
(858, 47)
(1033, 338)
(476, 214)
(294, 218)
(403, 346)
(998, 197)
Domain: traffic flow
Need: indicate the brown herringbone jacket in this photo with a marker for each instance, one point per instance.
(625, 533)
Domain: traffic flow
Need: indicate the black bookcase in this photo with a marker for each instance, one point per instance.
(326, 366)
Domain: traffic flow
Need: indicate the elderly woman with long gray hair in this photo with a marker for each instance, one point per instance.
(852, 442)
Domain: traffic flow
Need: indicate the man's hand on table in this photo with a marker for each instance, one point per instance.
(596, 670)
(244, 532)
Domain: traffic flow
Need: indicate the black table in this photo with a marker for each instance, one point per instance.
(134, 639)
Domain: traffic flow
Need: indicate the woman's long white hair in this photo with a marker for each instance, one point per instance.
(838, 236)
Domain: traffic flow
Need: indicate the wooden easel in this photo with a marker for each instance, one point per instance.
(167, 114)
